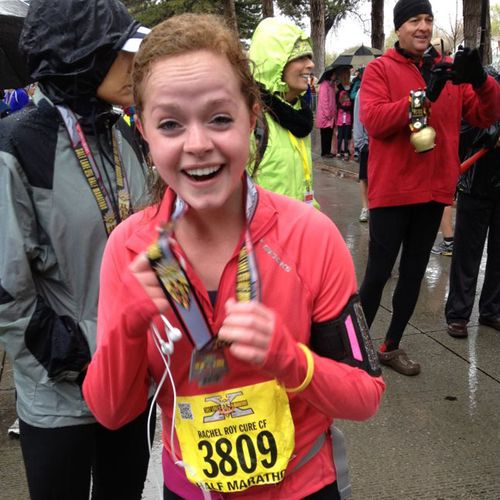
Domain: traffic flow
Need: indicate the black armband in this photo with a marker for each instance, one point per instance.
(346, 339)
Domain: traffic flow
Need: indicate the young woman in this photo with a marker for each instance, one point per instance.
(326, 112)
(281, 54)
(261, 287)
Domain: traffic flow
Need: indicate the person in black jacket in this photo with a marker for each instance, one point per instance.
(70, 171)
(478, 216)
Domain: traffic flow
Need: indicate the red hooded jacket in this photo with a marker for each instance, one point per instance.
(397, 175)
(307, 275)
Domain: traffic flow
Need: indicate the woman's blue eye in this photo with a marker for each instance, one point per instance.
(168, 125)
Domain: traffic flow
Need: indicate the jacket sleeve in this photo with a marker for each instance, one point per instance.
(117, 382)
(481, 107)
(358, 130)
(27, 322)
(336, 389)
(381, 116)
(325, 108)
(18, 246)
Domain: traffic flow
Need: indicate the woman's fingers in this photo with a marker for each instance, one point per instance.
(141, 269)
(248, 327)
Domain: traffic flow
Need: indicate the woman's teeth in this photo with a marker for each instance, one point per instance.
(203, 173)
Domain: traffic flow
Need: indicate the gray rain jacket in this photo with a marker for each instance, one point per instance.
(53, 234)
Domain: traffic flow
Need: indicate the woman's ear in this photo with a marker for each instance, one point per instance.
(256, 110)
(138, 124)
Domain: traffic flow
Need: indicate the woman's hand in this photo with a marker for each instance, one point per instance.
(141, 269)
(248, 327)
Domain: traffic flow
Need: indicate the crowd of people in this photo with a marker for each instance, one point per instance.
(168, 259)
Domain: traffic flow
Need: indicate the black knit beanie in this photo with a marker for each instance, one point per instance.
(405, 9)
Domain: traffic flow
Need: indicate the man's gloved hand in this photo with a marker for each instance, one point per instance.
(440, 74)
(467, 68)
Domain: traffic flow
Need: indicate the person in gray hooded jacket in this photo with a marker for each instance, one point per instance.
(70, 171)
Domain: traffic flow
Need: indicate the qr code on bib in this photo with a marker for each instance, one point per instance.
(185, 411)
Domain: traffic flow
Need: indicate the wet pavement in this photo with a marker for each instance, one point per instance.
(436, 436)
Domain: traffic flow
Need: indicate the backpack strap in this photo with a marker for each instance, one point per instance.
(339, 459)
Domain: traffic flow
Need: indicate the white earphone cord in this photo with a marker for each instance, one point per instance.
(166, 348)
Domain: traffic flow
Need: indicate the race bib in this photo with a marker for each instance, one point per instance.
(235, 439)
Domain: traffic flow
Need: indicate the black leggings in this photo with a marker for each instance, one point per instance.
(414, 227)
(326, 135)
(59, 461)
(329, 492)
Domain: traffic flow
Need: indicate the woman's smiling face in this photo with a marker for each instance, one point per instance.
(297, 74)
(198, 126)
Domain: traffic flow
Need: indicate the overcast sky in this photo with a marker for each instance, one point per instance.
(350, 31)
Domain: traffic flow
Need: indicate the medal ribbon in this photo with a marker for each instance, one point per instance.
(111, 215)
(176, 286)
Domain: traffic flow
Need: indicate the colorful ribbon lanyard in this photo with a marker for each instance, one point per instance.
(301, 148)
(110, 213)
(183, 299)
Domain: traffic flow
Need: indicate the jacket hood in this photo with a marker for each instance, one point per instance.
(272, 44)
(70, 45)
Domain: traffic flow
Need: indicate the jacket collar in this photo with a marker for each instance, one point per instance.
(264, 219)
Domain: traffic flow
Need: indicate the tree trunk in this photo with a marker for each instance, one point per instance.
(318, 34)
(230, 14)
(486, 39)
(267, 8)
(476, 35)
(378, 35)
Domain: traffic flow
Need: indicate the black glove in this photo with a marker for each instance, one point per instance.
(467, 68)
(440, 74)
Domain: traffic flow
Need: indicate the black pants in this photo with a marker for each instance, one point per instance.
(343, 138)
(363, 164)
(414, 227)
(59, 461)
(475, 217)
(326, 135)
(329, 492)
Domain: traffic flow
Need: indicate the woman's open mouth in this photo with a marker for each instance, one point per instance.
(203, 174)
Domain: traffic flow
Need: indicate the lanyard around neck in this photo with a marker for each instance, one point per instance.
(176, 285)
(111, 213)
(301, 148)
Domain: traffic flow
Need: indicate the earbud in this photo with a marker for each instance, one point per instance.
(174, 335)
(167, 348)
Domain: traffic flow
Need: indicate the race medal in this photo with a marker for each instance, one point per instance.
(208, 362)
(237, 438)
(209, 365)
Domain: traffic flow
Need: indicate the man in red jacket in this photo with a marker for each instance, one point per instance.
(408, 190)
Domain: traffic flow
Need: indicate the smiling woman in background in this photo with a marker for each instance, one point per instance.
(282, 57)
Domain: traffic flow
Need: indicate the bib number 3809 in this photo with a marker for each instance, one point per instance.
(222, 457)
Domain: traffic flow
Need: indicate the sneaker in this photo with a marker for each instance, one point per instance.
(346, 157)
(363, 216)
(338, 155)
(14, 429)
(443, 248)
(398, 360)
